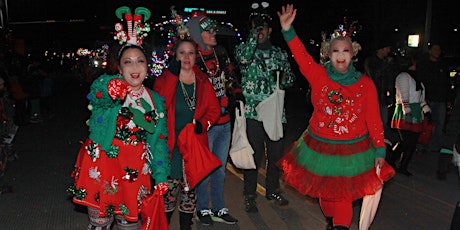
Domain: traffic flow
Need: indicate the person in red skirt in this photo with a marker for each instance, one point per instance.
(335, 159)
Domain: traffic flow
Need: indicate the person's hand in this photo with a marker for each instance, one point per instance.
(428, 116)
(408, 117)
(139, 117)
(174, 66)
(379, 162)
(258, 25)
(240, 97)
(161, 188)
(118, 88)
(198, 127)
(287, 16)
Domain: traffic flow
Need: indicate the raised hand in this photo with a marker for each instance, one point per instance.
(287, 16)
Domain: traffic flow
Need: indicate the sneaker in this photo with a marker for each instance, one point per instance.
(251, 205)
(278, 199)
(223, 217)
(205, 217)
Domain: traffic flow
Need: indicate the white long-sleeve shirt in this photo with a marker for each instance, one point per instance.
(406, 93)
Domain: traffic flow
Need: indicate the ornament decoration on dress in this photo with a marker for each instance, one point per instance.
(136, 29)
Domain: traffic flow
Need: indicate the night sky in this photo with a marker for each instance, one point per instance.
(378, 18)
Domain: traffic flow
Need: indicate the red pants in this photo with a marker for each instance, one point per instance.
(340, 211)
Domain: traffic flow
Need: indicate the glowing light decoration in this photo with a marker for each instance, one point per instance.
(158, 63)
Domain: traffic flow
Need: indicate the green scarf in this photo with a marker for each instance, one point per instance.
(348, 78)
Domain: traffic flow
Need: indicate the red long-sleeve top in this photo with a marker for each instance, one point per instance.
(341, 112)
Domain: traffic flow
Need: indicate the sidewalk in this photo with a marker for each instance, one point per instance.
(47, 152)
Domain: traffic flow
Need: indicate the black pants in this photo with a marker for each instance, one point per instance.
(406, 147)
(262, 145)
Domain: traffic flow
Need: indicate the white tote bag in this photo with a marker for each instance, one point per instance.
(369, 207)
(270, 112)
(241, 151)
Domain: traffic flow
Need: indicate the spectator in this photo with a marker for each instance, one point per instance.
(381, 68)
(451, 138)
(432, 71)
(411, 109)
(34, 84)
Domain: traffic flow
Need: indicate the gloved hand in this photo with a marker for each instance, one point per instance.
(240, 97)
(174, 66)
(139, 117)
(256, 30)
(118, 88)
(428, 116)
(161, 188)
(198, 127)
(408, 117)
(257, 25)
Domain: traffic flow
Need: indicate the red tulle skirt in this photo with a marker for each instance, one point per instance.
(310, 172)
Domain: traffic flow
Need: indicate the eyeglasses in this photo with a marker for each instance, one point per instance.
(211, 30)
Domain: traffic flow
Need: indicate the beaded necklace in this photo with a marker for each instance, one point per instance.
(211, 73)
(190, 101)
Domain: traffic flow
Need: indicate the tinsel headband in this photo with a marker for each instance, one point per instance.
(343, 30)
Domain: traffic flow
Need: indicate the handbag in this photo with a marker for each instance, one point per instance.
(427, 130)
(199, 161)
(241, 151)
(270, 112)
(153, 213)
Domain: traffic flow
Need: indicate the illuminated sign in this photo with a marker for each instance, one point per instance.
(413, 40)
(191, 9)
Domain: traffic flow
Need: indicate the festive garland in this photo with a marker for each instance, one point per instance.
(335, 97)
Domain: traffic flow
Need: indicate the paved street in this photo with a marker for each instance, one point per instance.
(47, 151)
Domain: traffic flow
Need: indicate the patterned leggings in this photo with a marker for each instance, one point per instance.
(104, 223)
(177, 191)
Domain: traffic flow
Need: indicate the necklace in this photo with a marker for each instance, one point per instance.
(190, 101)
(211, 73)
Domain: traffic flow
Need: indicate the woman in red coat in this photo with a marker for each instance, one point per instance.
(189, 98)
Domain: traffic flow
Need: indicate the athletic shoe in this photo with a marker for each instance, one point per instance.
(223, 217)
(205, 217)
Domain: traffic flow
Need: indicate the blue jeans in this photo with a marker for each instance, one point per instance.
(219, 144)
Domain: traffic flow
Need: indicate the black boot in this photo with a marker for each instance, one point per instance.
(330, 224)
(407, 156)
(168, 216)
(185, 220)
(340, 228)
(443, 165)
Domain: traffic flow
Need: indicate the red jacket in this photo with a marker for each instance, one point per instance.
(207, 106)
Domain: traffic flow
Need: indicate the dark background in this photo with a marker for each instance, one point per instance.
(378, 18)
